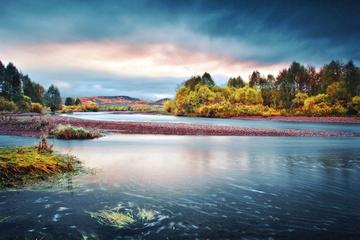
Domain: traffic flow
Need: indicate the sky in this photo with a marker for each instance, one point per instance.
(147, 48)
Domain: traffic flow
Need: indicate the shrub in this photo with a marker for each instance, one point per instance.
(71, 132)
(24, 104)
(355, 104)
(169, 106)
(6, 105)
(226, 109)
(36, 107)
(91, 107)
(299, 99)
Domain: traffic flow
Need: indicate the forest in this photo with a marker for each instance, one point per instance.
(333, 90)
(18, 93)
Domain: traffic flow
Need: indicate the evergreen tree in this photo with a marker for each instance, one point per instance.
(207, 79)
(236, 82)
(12, 86)
(2, 79)
(77, 102)
(254, 78)
(352, 79)
(53, 99)
(33, 90)
(69, 101)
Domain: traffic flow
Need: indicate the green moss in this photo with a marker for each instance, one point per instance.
(21, 166)
(71, 132)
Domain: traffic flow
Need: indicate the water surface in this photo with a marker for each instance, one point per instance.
(275, 124)
(200, 187)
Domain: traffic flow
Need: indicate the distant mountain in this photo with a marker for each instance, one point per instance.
(113, 101)
(160, 101)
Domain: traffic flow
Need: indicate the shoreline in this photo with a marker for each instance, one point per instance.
(29, 126)
(338, 120)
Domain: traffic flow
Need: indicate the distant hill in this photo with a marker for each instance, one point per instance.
(113, 101)
(160, 101)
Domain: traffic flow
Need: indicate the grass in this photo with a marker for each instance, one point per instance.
(22, 166)
(70, 132)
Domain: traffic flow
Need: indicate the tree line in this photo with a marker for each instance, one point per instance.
(19, 93)
(334, 89)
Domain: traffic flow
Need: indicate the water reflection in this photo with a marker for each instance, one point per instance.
(108, 116)
(201, 187)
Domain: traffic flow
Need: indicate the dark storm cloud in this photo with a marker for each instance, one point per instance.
(261, 32)
(287, 29)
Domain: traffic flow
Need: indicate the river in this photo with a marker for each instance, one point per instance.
(274, 124)
(199, 187)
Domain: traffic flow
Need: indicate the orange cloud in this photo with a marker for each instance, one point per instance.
(125, 58)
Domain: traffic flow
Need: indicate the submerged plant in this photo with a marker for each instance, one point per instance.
(4, 219)
(86, 236)
(113, 218)
(124, 216)
(146, 214)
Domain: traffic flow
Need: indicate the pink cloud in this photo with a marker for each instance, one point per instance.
(126, 58)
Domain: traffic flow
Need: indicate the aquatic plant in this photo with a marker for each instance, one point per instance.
(146, 214)
(86, 236)
(113, 218)
(124, 215)
(71, 132)
(4, 219)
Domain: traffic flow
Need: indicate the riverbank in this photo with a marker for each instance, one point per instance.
(35, 125)
(343, 120)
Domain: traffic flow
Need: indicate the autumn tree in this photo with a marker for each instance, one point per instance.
(330, 73)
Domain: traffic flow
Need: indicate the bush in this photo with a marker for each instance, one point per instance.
(226, 109)
(24, 104)
(36, 107)
(71, 132)
(299, 99)
(6, 105)
(355, 104)
(89, 107)
(169, 106)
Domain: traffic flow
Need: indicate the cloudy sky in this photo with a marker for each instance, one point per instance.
(147, 48)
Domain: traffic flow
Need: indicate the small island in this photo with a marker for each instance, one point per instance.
(26, 165)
